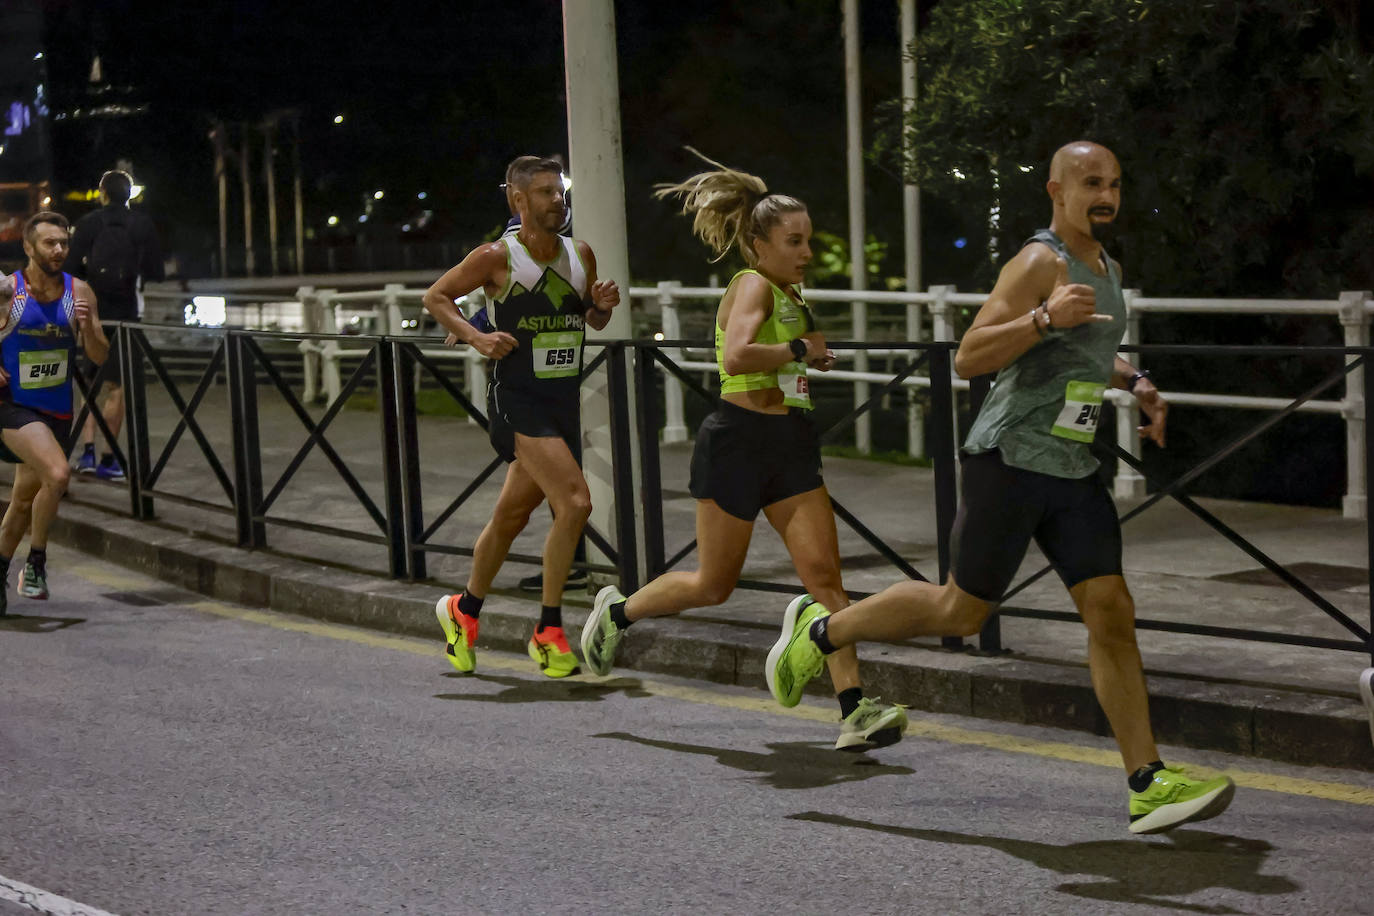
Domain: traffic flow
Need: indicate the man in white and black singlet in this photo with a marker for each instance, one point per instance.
(543, 291)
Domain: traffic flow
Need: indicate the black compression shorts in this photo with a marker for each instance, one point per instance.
(745, 460)
(1074, 522)
(512, 410)
(16, 416)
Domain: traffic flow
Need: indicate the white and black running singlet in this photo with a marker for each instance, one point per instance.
(543, 307)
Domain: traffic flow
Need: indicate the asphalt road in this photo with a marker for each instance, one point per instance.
(161, 753)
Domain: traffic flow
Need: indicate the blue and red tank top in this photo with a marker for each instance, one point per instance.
(37, 349)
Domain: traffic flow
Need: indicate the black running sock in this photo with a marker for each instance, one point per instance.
(820, 635)
(88, 450)
(849, 700)
(38, 558)
(470, 604)
(1140, 779)
(618, 616)
(5, 568)
(550, 615)
(107, 458)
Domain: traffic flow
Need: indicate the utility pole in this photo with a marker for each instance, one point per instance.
(858, 262)
(296, 189)
(218, 139)
(244, 162)
(269, 128)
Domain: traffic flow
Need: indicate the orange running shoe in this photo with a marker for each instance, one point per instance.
(549, 647)
(461, 632)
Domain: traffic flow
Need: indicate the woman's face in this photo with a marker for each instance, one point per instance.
(785, 253)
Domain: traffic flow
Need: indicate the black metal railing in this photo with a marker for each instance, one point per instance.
(398, 522)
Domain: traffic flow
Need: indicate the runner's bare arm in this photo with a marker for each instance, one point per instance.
(1012, 321)
(484, 267)
(86, 314)
(747, 304)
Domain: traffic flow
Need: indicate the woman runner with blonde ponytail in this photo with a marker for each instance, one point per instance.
(758, 450)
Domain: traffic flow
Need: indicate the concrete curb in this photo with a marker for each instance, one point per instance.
(1303, 728)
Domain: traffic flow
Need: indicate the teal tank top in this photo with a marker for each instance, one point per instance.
(1043, 409)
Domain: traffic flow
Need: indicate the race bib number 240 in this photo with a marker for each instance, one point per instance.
(42, 368)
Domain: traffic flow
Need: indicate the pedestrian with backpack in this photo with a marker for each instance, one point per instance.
(114, 249)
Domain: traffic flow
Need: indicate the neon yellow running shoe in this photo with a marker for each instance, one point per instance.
(871, 724)
(460, 631)
(549, 647)
(1172, 799)
(795, 658)
(600, 636)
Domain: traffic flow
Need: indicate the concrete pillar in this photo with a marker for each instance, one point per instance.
(1355, 322)
(595, 162)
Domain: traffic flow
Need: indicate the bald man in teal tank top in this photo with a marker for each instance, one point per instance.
(1050, 330)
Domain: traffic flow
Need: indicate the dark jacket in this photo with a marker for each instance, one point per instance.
(116, 304)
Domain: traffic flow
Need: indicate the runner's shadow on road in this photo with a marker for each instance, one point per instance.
(33, 623)
(1139, 870)
(788, 765)
(545, 690)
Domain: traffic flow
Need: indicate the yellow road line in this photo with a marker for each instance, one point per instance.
(1055, 750)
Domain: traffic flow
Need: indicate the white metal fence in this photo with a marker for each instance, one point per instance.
(396, 310)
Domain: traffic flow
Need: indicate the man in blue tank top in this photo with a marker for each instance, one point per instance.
(1049, 329)
(543, 291)
(46, 314)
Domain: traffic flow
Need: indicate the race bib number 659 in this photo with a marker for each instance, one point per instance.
(557, 354)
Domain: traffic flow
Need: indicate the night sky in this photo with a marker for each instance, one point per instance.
(437, 97)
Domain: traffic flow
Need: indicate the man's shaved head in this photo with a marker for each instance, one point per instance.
(1077, 155)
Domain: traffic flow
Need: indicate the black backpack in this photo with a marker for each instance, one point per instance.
(112, 265)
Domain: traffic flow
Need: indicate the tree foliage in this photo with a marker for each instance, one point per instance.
(1245, 129)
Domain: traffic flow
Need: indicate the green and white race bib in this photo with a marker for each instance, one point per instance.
(796, 390)
(557, 354)
(42, 368)
(1082, 407)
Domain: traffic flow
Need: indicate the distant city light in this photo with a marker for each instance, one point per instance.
(422, 195)
(333, 221)
(406, 227)
(38, 56)
(1026, 168)
(378, 195)
(958, 174)
(47, 202)
(960, 243)
(206, 311)
(338, 119)
(658, 335)
(363, 218)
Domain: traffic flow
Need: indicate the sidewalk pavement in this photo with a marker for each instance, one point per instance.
(1256, 698)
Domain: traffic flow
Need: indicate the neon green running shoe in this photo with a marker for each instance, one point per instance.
(33, 582)
(549, 647)
(794, 658)
(871, 725)
(1172, 799)
(600, 636)
(460, 630)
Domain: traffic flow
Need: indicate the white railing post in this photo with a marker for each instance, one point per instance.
(858, 310)
(1355, 322)
(476, 372)
(915, 416)
(391, 297)
(1129, 483)
(675, 423)
(941, 326)
(329, 349)
(311, 319)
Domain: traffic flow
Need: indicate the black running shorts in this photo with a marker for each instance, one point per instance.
(512, 410)
(15, 416)
(1074, 522)
(745, 460)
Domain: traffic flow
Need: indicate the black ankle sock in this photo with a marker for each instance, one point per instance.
(1140, 779)
(820, 635)
(618, 616)
(5, 568)
(550, 615)
(89, 449)
(849, 700)
(38, 558)
(470, 604)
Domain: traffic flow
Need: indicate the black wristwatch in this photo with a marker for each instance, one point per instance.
(798, 348)
(1131, 382)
